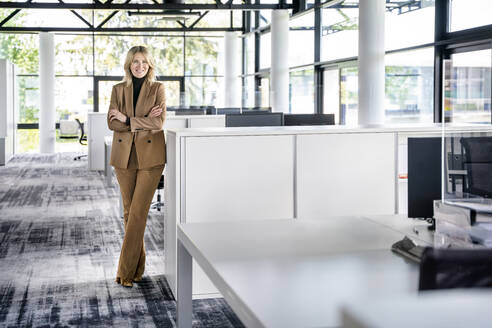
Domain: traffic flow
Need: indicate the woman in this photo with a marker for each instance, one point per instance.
(136, 115)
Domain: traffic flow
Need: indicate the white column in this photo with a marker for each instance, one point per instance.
(47, 131)
(232, 94)
(279, 71)
(371, 61)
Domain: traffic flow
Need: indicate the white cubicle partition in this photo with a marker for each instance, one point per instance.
(351, 173)
(281, 172)
(226, 177)
(7, 110)
(97, 129)
(194, 121)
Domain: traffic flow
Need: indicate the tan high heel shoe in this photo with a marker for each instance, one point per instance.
(126, 283)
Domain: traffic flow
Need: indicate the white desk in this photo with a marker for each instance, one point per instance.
(283, 172)
(436, 309)
(293, 273)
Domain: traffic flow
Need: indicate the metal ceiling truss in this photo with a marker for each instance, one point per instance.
(156, 9)
(142, 6)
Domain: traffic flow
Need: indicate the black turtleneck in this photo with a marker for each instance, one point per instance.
(137, 86)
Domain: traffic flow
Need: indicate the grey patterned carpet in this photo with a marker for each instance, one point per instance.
(60, 237)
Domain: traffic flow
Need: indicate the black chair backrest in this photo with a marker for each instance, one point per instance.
(478, 165)
(211, 110)
(455, 268)
(83, 137)
(255, 111)
(266, 119)
(227, 110)
(309, 119)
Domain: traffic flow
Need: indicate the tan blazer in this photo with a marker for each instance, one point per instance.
(145, 131)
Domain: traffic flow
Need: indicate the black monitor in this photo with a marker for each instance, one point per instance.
(309, 119)
(264, 119)
(424, 176)
(190, 111)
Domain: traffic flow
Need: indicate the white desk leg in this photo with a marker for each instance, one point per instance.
(184, 307)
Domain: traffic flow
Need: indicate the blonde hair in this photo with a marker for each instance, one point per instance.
(150, 77)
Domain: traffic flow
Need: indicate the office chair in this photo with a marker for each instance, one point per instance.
(478, 165)
(82, 139)
(68, 129)
(158, 204)
(444, 268)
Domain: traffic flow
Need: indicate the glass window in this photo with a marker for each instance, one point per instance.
(46, 17)
(29, 97)
(105, 88)
(248, 91)
(202, 55)
(409, 86)
(123, 19)
(265, 50)
(331, 92)
(467, 87)
(340, 31)
(302, 92)
(218, 18)
(465, 14)
(111, 52)
(73, 54)
(301, 40)
(74, 97)
(409, 23)
(349, 93)
(265, 92)
(22, 50)
(250, 53)
(27, 140)
(202, 91)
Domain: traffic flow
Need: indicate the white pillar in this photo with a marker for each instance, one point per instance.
(371, 61)
(47, 131)
(232, 94)
(279, 71)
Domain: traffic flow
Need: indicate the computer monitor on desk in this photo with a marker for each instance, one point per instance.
(309, 119)
(251, 119)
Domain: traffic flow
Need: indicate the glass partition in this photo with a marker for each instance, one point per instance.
(468, 87)
(464, 216)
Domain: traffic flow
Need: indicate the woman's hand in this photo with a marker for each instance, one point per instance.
(155, 111)
(115, 114)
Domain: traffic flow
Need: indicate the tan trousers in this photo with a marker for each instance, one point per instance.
(137, 188)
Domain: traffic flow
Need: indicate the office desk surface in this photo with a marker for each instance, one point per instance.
(436, 309)
(297, 273)
(331, 129)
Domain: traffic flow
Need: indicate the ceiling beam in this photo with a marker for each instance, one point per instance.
(138, 6)
(118, 29)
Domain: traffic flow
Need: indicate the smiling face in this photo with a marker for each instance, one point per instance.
(139, 66)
